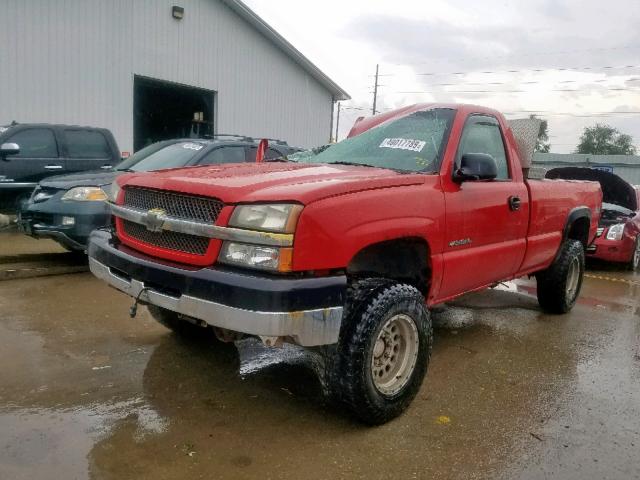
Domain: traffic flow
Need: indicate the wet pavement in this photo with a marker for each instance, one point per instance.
(86, 392)
(26, 257)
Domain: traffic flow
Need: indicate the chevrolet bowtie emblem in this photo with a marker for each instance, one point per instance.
(153, 219)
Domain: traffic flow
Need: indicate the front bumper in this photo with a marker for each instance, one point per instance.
(308, 310)
(44, 220)
(620, 251)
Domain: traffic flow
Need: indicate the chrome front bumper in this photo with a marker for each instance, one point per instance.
(305, 327)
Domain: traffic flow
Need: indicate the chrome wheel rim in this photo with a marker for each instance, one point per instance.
(573, 276)
(636, 255)
(394, 356)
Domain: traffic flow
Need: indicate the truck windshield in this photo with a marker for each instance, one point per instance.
(413, 143)
(161, 155)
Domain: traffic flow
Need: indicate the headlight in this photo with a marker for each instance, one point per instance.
(615, 231)
(256, 256)
(276, 217)
(113, 191)
(85, 194)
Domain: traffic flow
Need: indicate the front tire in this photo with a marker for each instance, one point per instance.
(383, 351)
(559, 285)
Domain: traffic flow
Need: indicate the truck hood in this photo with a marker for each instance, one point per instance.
(272, 181)
(615, 190)
(96, 178)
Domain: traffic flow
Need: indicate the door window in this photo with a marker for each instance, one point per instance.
(35, 143)
(269, 154)
(230, 154)
(86, 144)
(482, 135)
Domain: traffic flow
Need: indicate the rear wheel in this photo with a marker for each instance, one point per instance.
(635, 256)
(383, 352)
(559, 285)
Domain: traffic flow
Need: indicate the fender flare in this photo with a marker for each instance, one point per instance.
(576, 214)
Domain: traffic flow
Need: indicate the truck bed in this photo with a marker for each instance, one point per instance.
(551, 202)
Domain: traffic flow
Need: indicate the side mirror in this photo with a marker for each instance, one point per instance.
(7, 149)
(476, 166)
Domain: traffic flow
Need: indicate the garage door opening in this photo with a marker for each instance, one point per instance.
(164, 110)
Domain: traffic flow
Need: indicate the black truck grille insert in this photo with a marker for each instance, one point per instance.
(181, 242)
(178, 205)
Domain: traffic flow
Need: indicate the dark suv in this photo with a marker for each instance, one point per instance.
(33, 151)
(67, 208)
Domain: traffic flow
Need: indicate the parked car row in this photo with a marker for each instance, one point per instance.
(345, 246)
(68, 207)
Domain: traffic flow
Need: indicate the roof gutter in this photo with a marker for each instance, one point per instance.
(250, 16)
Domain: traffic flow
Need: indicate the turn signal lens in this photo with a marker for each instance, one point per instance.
(257, 256)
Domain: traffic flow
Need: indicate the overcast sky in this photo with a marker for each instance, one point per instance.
(420, 44)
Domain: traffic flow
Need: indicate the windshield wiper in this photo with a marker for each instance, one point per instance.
(354, 164)
(277, 159)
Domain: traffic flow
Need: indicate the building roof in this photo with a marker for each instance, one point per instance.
(575, 158)
(263, 27)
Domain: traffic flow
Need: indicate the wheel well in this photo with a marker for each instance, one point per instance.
(579, 230)
(403, 259)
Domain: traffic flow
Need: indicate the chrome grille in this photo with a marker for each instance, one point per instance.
(166, 239)
(599, 231)
(185, 207)
(188, 207)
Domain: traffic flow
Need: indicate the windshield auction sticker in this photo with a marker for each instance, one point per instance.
(192, 146)
(403, 144)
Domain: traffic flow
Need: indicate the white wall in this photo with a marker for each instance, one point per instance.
(73, 61)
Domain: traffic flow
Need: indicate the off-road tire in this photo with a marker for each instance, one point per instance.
(553, 293)
(173, 322)
(370, 304)
(634, 262)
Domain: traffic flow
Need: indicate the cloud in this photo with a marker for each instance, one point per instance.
(547, 56)
(409, 37)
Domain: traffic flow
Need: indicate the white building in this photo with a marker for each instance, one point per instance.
(152, 69)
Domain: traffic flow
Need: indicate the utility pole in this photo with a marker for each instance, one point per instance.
(337, 122)
(375, 92)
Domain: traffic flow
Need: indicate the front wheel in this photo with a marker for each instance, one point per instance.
(559, 285)
(383, 352)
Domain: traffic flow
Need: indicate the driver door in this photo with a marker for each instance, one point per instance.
(485, 236)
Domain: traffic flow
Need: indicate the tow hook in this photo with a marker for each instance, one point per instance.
(133, 311)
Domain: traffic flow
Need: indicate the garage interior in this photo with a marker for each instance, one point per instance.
(164, 110)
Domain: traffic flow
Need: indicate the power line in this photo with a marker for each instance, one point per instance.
(573, 115)
(528, 82)
(609, 89)
(533, 54)
(522, 70)
(537, 112)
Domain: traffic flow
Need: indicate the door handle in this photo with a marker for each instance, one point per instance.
(106, 167)
(53, 167)
(514, 203)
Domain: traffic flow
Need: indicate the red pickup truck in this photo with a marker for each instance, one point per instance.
(348, 246)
